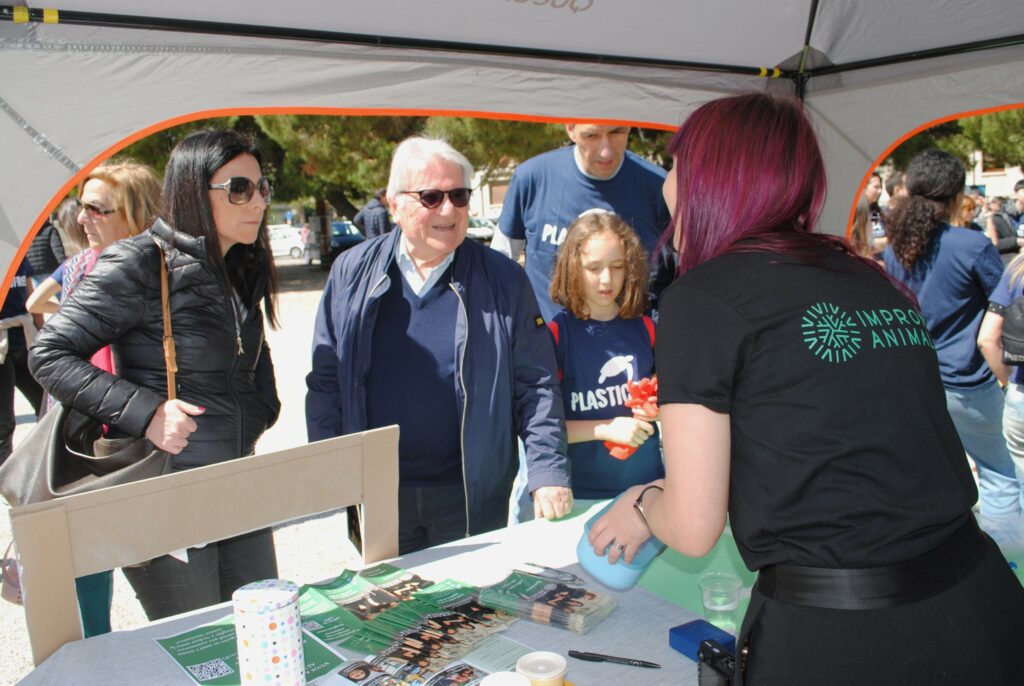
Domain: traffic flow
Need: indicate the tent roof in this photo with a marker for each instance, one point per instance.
(78, 90)
(751, 33)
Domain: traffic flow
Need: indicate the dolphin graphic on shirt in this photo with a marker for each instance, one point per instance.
(615, 366)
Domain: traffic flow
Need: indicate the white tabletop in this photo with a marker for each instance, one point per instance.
(637, 628)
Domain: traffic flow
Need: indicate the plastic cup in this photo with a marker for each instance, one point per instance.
(720, 593)
(543, 668)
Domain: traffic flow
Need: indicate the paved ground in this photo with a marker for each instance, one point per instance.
(308, 550)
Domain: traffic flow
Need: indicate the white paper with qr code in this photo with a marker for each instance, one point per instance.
(209, 655)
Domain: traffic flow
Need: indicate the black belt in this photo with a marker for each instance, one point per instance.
(877, 587)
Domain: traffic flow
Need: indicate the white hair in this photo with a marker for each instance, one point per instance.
(414, 153)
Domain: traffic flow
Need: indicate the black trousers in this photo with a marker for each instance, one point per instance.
(14, 373)
(167, 586)
(970, 634)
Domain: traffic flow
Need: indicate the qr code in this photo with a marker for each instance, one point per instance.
(205, 671)
(312, 625)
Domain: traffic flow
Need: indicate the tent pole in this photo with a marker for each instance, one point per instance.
(8, 13)
(959, 49)
(800, 78)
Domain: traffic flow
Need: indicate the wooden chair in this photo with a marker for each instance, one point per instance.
(93, 532)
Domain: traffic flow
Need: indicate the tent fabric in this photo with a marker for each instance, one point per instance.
(71, 94)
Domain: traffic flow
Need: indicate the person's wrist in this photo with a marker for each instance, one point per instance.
(638, 503)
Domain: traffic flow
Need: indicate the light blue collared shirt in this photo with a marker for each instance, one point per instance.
(419, 284)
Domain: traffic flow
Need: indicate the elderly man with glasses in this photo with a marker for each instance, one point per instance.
(444, 337)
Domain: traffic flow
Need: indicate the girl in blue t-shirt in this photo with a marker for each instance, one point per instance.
(603, 341)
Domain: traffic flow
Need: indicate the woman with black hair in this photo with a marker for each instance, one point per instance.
(219, 271)
(953, 271)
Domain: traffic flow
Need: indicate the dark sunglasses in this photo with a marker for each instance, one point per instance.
(432, 197)
(92, 210)
(241, 188)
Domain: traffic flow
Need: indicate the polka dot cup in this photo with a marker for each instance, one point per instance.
(269, 634)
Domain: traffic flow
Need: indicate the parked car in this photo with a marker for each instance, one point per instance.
(285, 239)
(344, 235)
(481, 229)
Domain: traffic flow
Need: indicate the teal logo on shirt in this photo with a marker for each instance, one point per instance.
(836, 336)
(830, 333)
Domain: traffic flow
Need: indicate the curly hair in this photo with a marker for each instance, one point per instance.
(934, 180)
(567, 278)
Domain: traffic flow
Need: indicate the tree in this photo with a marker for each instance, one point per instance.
(999, 135)
(493, 144)
(341, 159)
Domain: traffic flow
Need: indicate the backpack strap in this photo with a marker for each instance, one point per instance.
(649, 323)
(553, 327)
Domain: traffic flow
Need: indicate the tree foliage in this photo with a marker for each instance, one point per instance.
(341, 159)
(491, 145)
(999, 135)
(344, 159)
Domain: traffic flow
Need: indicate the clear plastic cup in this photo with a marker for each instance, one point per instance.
(720, 593)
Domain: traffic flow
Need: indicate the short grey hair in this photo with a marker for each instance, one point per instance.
(415, 153)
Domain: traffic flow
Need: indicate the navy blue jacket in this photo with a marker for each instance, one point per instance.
(507, 383)
(373, 219)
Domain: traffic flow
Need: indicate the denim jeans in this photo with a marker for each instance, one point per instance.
(977, 414)
(1013, 431)
(167, 586)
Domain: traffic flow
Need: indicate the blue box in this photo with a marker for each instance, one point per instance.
(686, 638)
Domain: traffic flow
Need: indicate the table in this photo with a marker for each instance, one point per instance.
(638, 627)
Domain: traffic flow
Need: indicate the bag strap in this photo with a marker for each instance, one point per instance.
(170, 357)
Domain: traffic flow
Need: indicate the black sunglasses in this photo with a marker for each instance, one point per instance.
(432, 197)
(92, 210)
(241, 188)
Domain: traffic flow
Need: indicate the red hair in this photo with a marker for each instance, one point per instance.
(749, 167)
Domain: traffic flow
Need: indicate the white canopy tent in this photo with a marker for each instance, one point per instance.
(81, 82)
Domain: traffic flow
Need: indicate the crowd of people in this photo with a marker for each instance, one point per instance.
(820, 402)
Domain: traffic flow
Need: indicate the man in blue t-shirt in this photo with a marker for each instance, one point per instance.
(549, 191)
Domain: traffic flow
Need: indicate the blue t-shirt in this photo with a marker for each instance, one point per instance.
(1005, 293)
(549, 191)
(952, 281)
(58, 273)
(14, 305)
(595, 361)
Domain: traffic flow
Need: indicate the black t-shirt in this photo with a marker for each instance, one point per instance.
(843, 453)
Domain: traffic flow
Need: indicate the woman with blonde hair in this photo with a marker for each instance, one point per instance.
(116, 200)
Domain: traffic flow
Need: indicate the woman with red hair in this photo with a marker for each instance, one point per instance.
(800, 395)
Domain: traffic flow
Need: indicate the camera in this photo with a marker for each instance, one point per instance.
(715, 665)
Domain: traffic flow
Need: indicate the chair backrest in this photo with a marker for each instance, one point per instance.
(70, 537)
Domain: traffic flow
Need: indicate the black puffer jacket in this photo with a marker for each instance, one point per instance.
(118, 303)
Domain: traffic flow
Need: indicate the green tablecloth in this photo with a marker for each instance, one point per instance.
(675, 576)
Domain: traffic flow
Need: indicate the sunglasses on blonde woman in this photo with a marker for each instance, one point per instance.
(432, 197)
(93, 211)
(240, 189)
